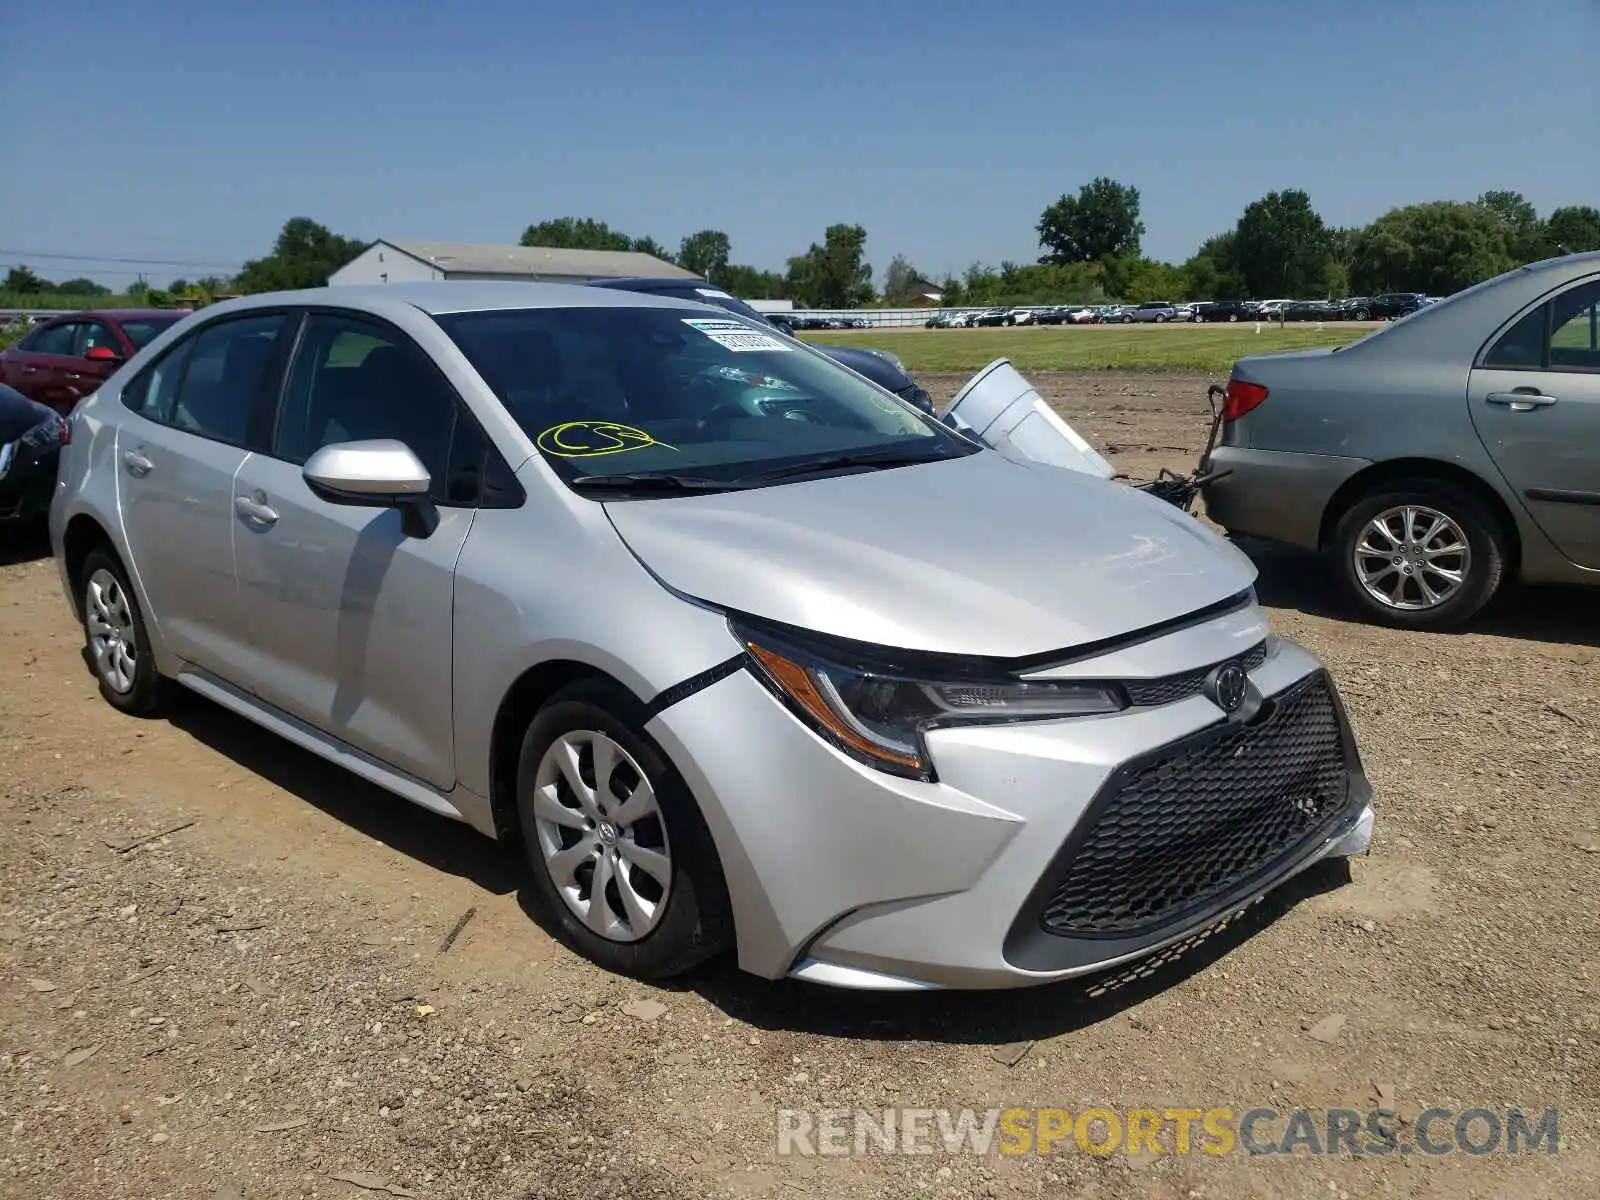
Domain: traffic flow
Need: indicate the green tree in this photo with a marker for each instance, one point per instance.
(80, 287)
(648, 245)
(1438, 247)
(576, 233)
(24, 280)
(833, 275)
(752, 284)
(177, 286)
(1134, 278)
(1282, 246)
(706, 254)
(1212, 273)
(1519, 222)
(303, 256)
(1572, 230)
(1100, 222)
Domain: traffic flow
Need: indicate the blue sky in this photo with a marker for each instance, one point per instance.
(189, 132)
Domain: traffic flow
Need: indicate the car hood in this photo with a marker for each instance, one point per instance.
(977, 555)
(864, 362)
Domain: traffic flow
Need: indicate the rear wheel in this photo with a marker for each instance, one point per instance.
(1420, 554)
(624, 869)
(116, 641)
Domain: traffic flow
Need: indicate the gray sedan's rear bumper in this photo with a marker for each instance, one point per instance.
(1275, 494)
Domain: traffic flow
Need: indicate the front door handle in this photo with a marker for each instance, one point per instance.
(255, 509)
(1520, 400)
(137, 464)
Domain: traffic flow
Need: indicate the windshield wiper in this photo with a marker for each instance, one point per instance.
(835, 462)
(628, 481)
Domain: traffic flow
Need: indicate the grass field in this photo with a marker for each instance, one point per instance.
(1090, 347)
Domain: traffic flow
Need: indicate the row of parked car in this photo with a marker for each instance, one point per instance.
(1159, 312)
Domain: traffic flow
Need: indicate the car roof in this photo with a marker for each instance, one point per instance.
(441, 297)
(121, 314)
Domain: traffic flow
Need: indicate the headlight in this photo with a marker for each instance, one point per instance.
(878, 715)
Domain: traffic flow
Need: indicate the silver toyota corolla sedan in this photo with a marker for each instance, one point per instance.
(741, 649)
(1437, 459)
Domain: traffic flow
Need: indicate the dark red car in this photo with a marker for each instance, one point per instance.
(63, 360)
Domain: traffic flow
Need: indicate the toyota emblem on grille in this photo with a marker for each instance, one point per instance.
(1225, 687)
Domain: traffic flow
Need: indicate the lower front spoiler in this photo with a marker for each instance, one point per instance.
(1349, 838)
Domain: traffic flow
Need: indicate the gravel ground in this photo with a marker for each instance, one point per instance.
(257, 1003)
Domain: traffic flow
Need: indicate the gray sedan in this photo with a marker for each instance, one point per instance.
(1438, 458)
(744, 651)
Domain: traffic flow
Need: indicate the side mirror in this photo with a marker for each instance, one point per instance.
(105, 354)
(375, 474)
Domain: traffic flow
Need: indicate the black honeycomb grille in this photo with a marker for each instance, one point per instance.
(1169, 689)
(1196, 820)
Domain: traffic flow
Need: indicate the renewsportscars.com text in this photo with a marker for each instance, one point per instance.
(1376, 1132)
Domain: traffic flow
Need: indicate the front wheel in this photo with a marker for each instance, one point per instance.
(1420, 554)
(624, 869)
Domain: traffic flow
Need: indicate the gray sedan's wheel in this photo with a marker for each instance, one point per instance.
(601, 835)
(624, 869)
(1421, 554)
(116, 642)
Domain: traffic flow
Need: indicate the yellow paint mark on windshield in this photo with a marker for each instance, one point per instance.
(591, 439)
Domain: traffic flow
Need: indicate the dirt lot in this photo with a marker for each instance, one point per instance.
(257, 1004)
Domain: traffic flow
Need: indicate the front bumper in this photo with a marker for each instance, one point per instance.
(844, 875)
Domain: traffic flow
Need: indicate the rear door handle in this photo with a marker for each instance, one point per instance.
(137, 464)
(255, 509)
(1520, 401)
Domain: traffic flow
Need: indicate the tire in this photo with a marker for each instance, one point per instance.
(116, 641)
(1361, 315)
(1161, 320)
(1468, 521)
(689, 916)
(1232, 317)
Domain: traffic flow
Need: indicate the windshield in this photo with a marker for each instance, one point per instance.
(631, 391)
(144, 330)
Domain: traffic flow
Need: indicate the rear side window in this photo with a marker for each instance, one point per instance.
(223, 377)
(57, 339)
(151, 395)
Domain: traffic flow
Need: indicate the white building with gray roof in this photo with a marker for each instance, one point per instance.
(417, 262)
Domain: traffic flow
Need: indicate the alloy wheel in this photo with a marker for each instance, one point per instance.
(113, 639)
(602, 836)
(1412, 558)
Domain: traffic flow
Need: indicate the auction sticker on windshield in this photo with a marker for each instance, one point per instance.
(736, 336)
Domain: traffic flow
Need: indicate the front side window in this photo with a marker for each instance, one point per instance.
(97, 334)
(224, 376)
(355, 381)
(623, 391)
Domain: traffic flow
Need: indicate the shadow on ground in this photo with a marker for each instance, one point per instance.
(1293, 578)
(438, 842)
